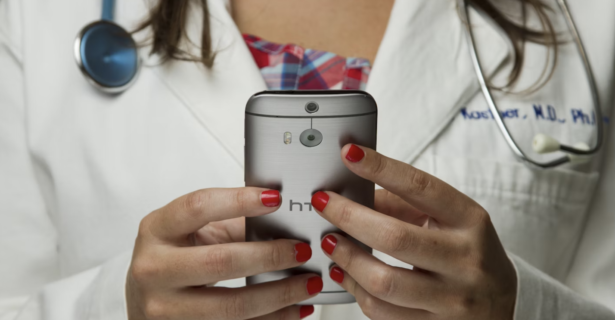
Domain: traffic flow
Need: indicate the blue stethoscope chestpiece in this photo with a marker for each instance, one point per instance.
(107, 56)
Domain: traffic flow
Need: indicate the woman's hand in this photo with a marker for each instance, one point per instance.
(197, 240)
(461, 270)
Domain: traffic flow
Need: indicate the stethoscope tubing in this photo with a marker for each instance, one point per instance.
(464, 12)
(592, 84)
(107, 10)
(107, 17)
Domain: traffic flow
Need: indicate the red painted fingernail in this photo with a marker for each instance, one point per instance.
(270, 198)
(303, 252)
(328, 244)
(337, 274)
(355, 154)
(314, 285)
(320, 200)
(305, 311)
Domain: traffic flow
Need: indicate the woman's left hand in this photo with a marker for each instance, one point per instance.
(461, 270)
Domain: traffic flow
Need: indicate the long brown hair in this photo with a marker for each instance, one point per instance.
(168, 19)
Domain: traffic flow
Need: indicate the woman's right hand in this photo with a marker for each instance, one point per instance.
(196, 241)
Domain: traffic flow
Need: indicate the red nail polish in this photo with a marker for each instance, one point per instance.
(320, 200)
(303, 252)
(305, 311)
(355, 154)
(328, 244)
(270, 198)
(337, 274)
(314, 285)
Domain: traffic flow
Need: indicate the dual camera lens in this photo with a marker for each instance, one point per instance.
(311, 137)
(311, 107)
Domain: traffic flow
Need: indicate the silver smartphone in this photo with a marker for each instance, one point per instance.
(293, 141)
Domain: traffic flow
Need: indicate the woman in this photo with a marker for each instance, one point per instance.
(489, 237)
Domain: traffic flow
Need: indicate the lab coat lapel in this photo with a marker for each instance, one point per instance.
(217, 96)
(423, 75)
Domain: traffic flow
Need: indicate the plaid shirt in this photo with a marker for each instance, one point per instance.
(291, 67)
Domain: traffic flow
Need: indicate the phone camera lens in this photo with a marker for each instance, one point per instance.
(310, 138)
(311, 107)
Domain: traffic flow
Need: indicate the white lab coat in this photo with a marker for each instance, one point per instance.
(79, 169)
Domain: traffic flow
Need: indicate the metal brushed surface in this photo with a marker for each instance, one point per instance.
(292, 104)
(298, 172)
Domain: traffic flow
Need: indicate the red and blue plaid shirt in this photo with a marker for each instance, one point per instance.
(291, 67)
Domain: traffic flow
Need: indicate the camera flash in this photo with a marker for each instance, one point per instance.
(288, 137)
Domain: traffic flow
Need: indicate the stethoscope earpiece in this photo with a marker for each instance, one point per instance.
(543, 144)
(107, 54)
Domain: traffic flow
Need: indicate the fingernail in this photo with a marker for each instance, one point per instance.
(305, 311)
(337, 274)
(303, 252)
(320, 200)
(270, 198)
(355, 154)
(328, 244)
(314, 285)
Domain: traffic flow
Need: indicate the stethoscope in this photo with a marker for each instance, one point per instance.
(542, 143)
(107, 56)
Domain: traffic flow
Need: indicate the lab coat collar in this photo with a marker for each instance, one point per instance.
(421, 77)
(217, 96)
(423, 74)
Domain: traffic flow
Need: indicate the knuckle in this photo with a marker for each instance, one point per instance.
(285, 314)
(419, 182)
(144, 226)
(474, 263)
(481, 264)
(142, 270)
(195, 201)
(369, 306)
(478, 268)
(483, 217)
(464, 304)
(346, 257)
(154, 309)
(242, 199)
(345, 215)
(287, 295)
(379, 166)
(396, 238)
(219, 262)
(381, 282)
(235, 307)
(353, 289)
(274, 257)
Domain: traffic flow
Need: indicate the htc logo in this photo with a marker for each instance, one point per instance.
(292, 204)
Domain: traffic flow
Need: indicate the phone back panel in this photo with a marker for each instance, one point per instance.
(299, 171)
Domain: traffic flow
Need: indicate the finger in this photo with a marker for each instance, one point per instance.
(218, 232)
(423, 191)
(194, 266)
(191, 212)
(375, 308)
(289, 313)
(427, 249)
(256, 300)
(393, 206)
(398, 286)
